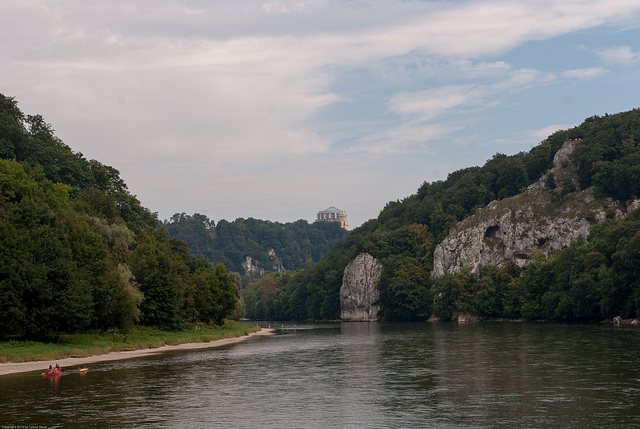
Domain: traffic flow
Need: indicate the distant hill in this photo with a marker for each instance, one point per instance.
(253, 247)
(595, 277)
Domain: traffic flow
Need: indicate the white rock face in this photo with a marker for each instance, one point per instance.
(276, 262)
(505, 235)
(510, 229)
(252, 266)
(359, 295)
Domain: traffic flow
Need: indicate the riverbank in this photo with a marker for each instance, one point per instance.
(41, 365)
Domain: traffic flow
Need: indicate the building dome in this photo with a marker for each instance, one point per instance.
(333, 214)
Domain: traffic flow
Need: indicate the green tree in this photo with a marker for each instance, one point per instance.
(151, 268)
(550, 181)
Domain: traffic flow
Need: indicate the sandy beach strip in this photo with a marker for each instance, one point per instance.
(14, 367)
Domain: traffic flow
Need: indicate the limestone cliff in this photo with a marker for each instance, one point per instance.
(359, 295)
(252, 266)
(540, 218)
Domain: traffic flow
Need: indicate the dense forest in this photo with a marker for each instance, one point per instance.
(295, 245)
(593, 279)
(79, 252)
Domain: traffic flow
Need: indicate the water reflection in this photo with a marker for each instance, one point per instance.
(356, 375)
(358, 371)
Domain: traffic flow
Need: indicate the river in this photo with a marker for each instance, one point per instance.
(355, 375)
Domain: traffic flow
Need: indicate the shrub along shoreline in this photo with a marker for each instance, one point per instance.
(92, 344)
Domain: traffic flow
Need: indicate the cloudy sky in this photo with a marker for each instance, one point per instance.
(278, 109)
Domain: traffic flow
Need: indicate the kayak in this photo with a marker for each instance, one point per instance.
(48, 375)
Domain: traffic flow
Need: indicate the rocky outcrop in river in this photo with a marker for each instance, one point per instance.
(359, 294)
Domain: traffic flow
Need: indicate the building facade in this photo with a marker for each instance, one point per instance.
(333, 214)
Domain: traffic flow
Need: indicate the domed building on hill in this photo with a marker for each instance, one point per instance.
(333, 214)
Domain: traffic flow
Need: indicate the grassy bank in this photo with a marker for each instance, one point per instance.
(90, 344)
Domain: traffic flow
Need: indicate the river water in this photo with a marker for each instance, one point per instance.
(355, 375)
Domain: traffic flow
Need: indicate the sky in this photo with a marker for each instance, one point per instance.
(279, 109)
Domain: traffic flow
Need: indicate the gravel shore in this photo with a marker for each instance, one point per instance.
(14, 367)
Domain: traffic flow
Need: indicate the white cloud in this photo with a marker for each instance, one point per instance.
(545, 132)
(401, 139)
(586, 73)
(448, 104)
(619, 54)
(451, 104)
(478, 28)
(434, 102)
(431, 103)
(211, 84)
(275, 7)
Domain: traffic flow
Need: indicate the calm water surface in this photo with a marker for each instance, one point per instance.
(355, 375)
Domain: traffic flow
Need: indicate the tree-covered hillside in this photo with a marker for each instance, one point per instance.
(404, 236)
(594, 280)
(297, 245)
(79, 251)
